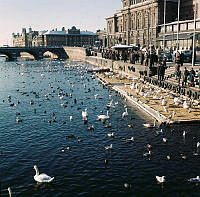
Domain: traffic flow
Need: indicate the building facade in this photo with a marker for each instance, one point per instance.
(71, 37)
(137, 23)
(179, 34)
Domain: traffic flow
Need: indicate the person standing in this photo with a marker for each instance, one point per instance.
(191, 77)
(198, 75)
(185, 76)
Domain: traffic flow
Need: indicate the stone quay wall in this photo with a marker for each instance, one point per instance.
(75, 53)
(133, 70)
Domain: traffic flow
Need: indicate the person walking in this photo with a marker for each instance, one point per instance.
(162, 70)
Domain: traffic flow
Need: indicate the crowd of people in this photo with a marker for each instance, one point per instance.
(152, 57)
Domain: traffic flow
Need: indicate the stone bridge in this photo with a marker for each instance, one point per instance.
(13, 53)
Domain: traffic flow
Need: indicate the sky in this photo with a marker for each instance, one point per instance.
(50, 14)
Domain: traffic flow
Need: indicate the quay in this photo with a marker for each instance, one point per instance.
(150, 95)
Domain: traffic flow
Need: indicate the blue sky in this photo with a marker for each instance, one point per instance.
(48, 14)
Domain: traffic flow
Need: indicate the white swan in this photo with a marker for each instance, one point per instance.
(160, 179)
(130, 139)
(125, 113)
(9, 191)
(103, 117)
(42, 178)
(84, 114)
(196, 179)
(109, 147)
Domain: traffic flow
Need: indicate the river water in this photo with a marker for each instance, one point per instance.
(36, 89)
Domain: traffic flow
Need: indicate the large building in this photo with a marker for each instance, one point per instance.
(71, 37)
(137, 23)
(179, 34)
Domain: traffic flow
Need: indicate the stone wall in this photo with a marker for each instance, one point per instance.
(75, 53)
(117, 66)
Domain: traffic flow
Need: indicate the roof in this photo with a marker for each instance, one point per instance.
(55, 33)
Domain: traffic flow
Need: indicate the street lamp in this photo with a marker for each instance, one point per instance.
(194, 34)
(177, 42)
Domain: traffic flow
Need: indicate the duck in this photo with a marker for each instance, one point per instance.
(103, 117)
(194, 180)
(125, 113)
(160, 179)
(42, 178)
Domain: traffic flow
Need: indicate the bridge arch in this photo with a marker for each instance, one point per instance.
(57, 52)
(31, 52)
(7, 54)
(50, 54)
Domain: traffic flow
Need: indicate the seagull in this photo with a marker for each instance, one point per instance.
(109, 147)
(198, 144)
(42, 178)
(184, 133)
(194, 180)
(70, 118)
(160, 179)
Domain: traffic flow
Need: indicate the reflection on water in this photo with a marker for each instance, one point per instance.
(44, 95)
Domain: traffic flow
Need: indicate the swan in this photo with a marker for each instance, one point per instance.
(125, 113)
(84, 114)
(42, 178)
(196, 179)
(71, 118)
(147, 125)
(10, 192)
(198, 144)
(130, 139)
(184, 133)
(103, 117)
(109, 147)
(160, 179)
(147, 154)
(110, 104)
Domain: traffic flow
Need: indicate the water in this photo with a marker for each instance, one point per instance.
(81, 171)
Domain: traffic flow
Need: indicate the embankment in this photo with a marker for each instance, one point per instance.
(75, 53)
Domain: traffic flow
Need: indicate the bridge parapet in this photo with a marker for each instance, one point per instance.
(38, 52)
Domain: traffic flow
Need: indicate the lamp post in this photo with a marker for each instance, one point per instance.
(177, 41)
(164, 17)
(194, 34)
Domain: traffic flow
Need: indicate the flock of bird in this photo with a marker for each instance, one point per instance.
(104, 118)
(146, 90)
